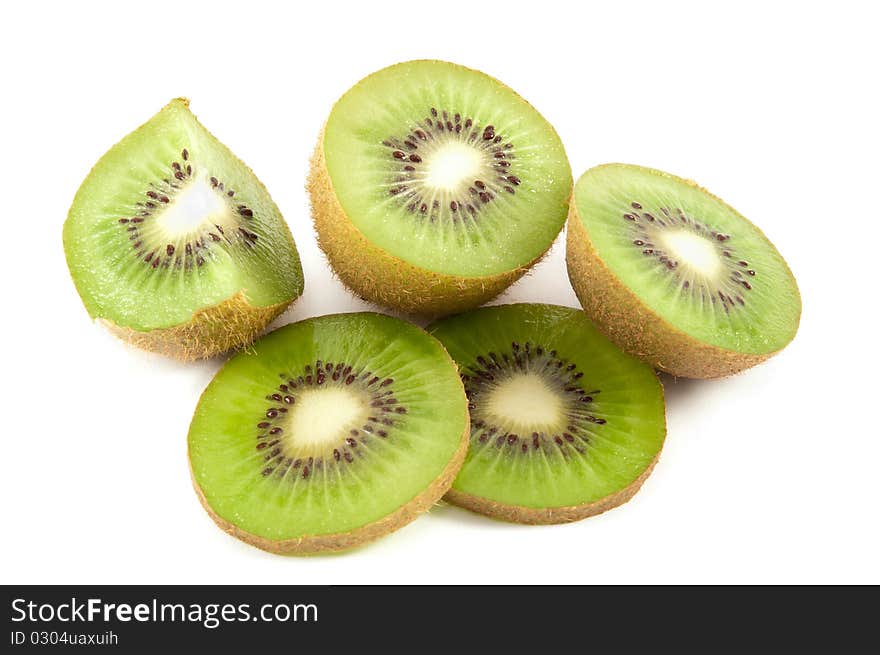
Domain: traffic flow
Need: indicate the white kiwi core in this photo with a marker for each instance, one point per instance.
(194, 206)
(693, 250)
(321, 416)
(452, 165)
(524, 402)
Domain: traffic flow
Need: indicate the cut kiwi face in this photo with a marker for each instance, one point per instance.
(435, 186)
(675, 276)
(563, 424)
(176, 245)
(328, 433)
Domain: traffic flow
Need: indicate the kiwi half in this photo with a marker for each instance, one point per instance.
(175, 245)
(675, 276)
(563, 424)
(329, 433)
(434, 187)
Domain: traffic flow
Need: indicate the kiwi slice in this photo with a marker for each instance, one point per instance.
(434, 187)
(328, 433)
(175, 244)
(563, 424)
(675, 276)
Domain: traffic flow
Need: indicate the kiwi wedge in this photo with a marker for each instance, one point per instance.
(434, 187)
(675, 276)
(329, 433)
(175, 245)
(563, 424)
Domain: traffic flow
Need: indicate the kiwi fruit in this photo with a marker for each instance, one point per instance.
(563, 424)
(329, 433)
(675, 276)
(175, 245)
(434, 187)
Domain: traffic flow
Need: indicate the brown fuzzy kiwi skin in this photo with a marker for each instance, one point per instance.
(230, 325)
(632, 325)
(380, 277)
(341, 541)
(548, 515)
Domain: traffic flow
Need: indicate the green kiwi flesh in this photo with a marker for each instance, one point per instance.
(563, 424)
(174, 242)
(328, 433)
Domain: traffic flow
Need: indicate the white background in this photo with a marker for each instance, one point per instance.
(770, 476)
